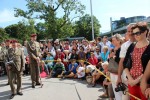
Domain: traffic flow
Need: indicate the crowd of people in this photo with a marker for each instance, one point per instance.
(123, 59)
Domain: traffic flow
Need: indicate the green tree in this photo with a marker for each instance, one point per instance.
(41, 30)
(21, 30)
(83, 27)
(12, 30)
(31, 26)
(48, 11)
(65, 31)
(3, 34)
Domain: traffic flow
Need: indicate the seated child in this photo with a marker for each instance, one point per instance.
(71, 69)
(81, 69)
(58, 69)
(49, 60)
(43, 69)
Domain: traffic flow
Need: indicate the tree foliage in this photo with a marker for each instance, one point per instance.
(83, 27)
(3, 34)
(48, 11)
(21, 30)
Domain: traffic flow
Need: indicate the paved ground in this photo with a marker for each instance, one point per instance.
(53, 89)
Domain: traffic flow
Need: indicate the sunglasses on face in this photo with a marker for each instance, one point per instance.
(136, 33)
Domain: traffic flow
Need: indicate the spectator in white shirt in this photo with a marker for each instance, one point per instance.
(51, 49)
(105, 42)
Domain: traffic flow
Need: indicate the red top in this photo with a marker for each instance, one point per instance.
(93, 60)
(137, 67)
(61, 56)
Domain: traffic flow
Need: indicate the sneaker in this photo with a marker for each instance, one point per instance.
(59, 76)
(63, 77)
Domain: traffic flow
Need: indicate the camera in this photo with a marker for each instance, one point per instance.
(120, 87)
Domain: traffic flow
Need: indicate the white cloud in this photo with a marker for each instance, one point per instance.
(7, 16)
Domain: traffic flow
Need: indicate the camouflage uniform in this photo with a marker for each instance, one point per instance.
(33, 48)
(3, 52)
(15, 67)
(6, 60)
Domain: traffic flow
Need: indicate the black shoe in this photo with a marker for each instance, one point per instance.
(33, 86)
(19, 93)
(38, 83)
(12, 96)
(7, 84)
(94, 85)
(63, 77)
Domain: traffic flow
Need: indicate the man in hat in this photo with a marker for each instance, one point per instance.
(15, 66)
(33, 49)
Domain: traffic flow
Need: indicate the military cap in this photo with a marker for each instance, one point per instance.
(7, 40)
(33, 35)
(14, 41)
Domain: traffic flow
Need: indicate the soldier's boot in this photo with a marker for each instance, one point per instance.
(12, 96)
(7, 83)
(33, 84)
(19, 93)
(38, 83)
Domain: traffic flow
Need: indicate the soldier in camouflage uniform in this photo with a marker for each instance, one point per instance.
(15, 65)
(2, 57)
(7, 46)
(33, 49)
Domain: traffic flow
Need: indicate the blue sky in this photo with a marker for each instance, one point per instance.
(102, 9)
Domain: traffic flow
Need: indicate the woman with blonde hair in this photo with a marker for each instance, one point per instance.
(105, 54)
(114, 56)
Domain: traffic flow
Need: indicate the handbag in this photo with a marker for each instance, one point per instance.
(113, 66)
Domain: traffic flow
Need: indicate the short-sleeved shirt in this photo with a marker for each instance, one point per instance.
(124, 48)
(59, 66)
(81, 70)
(137, 67)
(105, 56)
(108, 43)
(74, 68)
